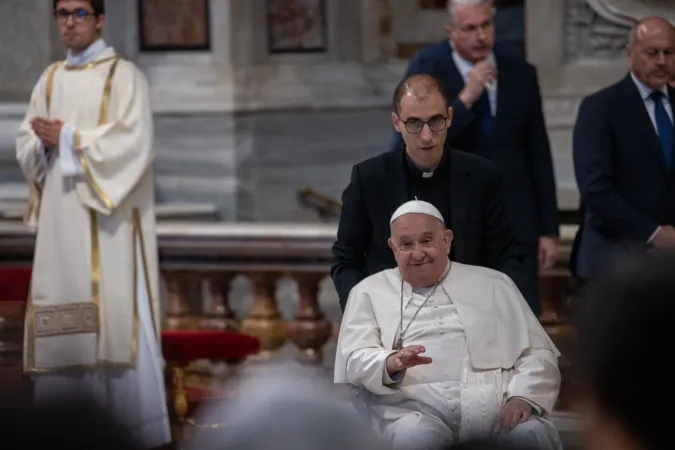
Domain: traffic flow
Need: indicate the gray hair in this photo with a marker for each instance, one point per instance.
(453, 4)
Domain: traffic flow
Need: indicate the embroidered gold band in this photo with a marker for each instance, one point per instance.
(65, 319)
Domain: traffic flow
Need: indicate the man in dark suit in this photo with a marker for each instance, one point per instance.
(497, 114)
(623, 149)
(465, 188)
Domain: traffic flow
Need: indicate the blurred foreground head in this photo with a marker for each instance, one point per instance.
(72, 426)
(487, 445)
(288, 407)
(625, 342)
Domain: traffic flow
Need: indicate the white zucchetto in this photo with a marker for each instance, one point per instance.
(417, 207)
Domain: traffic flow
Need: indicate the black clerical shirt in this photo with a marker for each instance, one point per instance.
(431, 186)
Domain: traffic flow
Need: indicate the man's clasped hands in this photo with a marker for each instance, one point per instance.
(47, 130)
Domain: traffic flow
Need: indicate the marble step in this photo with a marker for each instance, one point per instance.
(215, 164)
(220, 192)
(174, 211)
(11, 174)
(185, 197)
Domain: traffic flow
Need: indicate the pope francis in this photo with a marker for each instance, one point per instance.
(448, 352)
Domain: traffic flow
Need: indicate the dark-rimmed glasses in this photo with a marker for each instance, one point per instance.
(415, 126)
(79, 15)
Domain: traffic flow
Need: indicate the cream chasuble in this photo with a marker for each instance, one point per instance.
(486, 346)
(93, 309)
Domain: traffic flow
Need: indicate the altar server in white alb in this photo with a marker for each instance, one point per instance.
(449, 352)
(86, 149)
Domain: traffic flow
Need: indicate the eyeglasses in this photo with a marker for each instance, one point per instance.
(415, 126)
(79, 15)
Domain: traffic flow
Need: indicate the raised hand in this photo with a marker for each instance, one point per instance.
(482, 74)
(406, 358)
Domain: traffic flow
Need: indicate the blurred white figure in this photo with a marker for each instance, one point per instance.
(287, 407)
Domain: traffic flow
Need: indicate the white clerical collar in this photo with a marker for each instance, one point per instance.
(86, 56)
(422, 291)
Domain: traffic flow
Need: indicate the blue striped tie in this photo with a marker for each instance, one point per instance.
(663, 125)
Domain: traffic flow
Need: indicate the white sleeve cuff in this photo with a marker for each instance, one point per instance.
(70, 160)
(41, 163)
(651, 238)
(396, 378)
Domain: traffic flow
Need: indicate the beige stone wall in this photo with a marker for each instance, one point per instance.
(26, 45)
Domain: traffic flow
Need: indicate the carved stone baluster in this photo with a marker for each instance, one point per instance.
(264, 321)
(179, 315)
(310, 330)
(220, 316)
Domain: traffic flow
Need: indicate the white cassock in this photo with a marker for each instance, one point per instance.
(487, 347)
(92, 322)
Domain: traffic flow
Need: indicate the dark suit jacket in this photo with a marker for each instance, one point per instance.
(519, 144)
(625, 185)
(378, 186)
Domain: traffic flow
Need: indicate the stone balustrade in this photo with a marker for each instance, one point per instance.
(211, 255)
(193, 253)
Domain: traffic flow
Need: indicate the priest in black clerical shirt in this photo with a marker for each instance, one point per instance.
(465, 188)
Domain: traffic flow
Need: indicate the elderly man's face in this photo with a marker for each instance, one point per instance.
(421, 246)
(473, 31)
(652, 56)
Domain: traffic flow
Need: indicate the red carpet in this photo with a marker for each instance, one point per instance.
(14, 284)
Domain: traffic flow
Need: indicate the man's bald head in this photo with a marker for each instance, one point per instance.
(647, 27)
(421, 87)
(651, 51)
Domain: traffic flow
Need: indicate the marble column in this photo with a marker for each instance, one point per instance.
(26, 28)
(121, 27)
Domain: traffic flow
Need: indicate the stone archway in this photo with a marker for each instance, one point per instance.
(626, 12)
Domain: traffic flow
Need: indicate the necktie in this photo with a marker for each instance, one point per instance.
(485, 112)
(663, 125)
